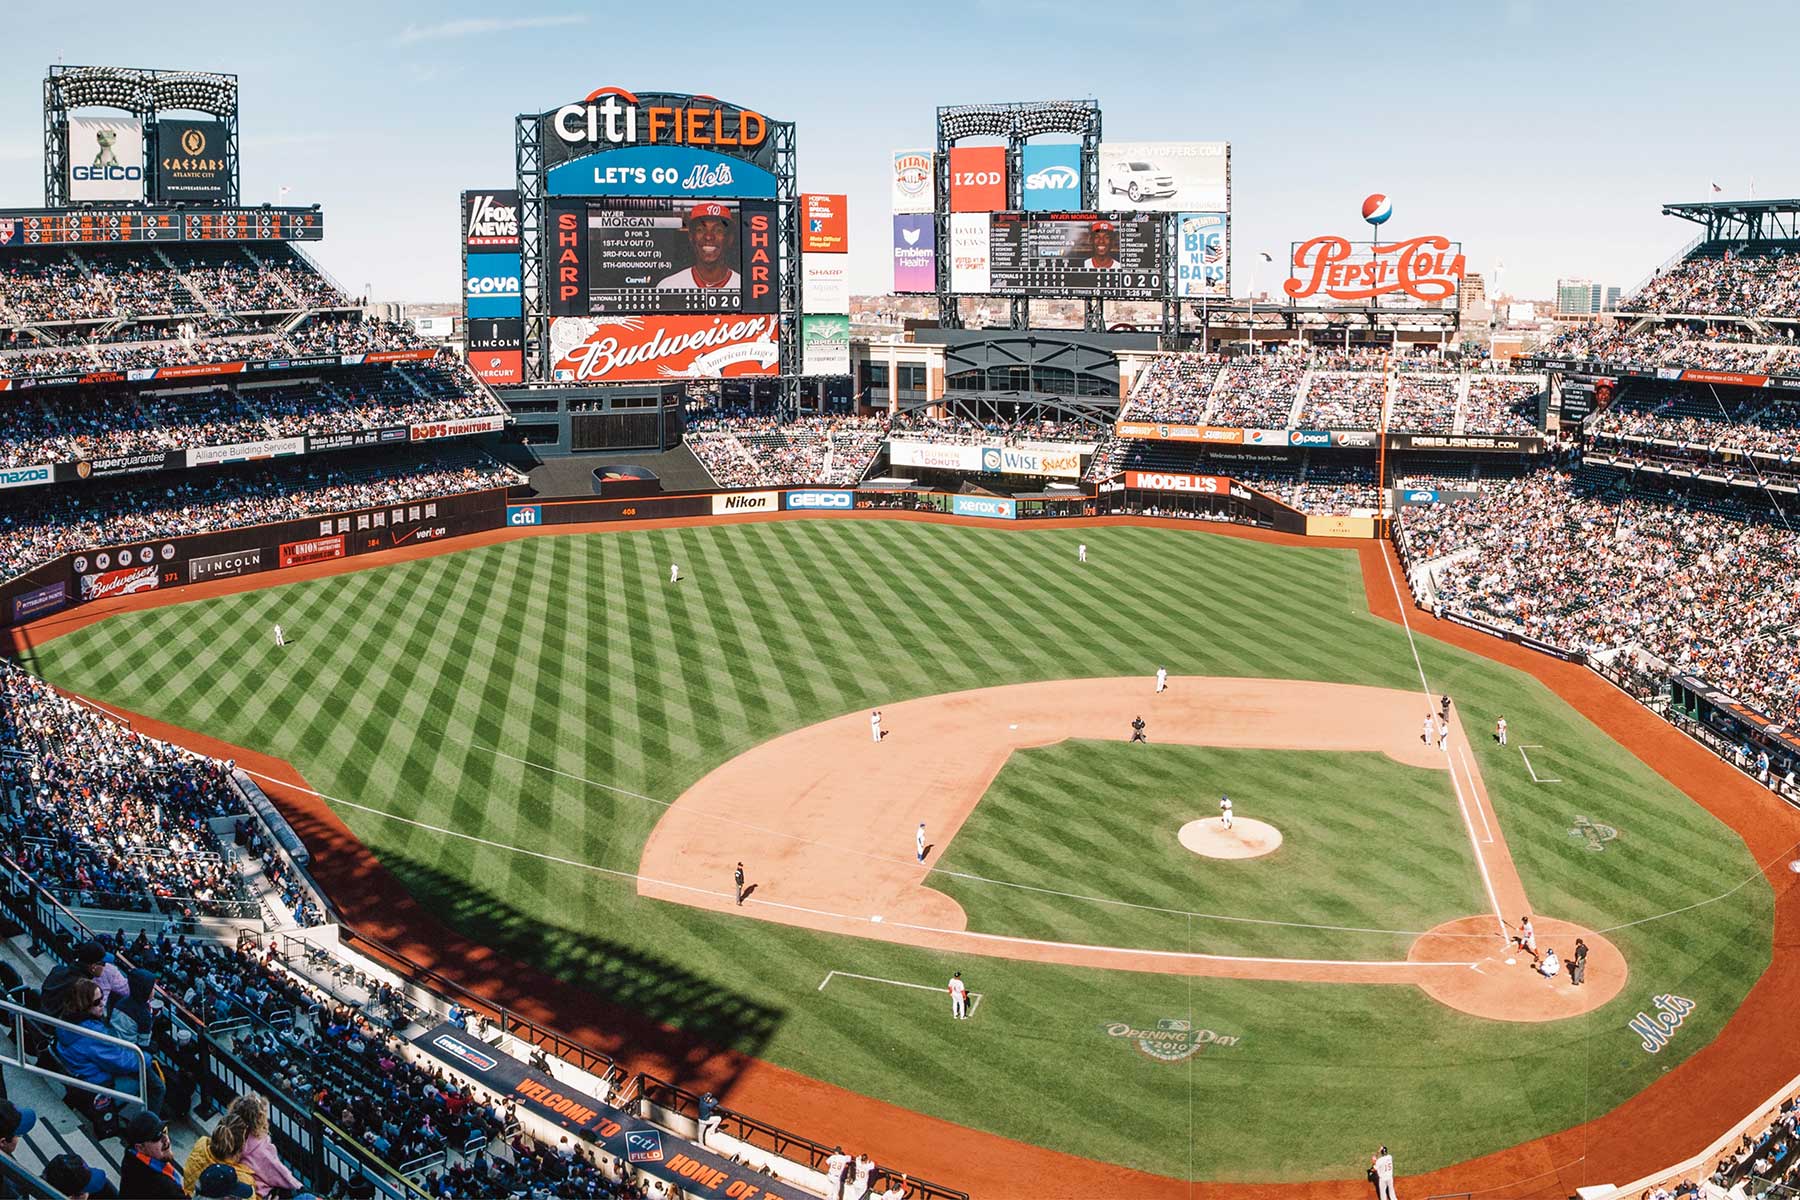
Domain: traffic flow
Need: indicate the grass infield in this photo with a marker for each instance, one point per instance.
(427, 689)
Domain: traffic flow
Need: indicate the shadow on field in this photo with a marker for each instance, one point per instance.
(607, 996)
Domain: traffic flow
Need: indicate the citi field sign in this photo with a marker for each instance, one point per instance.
(611, 118)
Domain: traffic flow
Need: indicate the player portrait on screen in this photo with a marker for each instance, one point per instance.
(1103, 247)
(712, 242)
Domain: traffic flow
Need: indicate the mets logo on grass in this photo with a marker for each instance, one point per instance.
(1173, 1040)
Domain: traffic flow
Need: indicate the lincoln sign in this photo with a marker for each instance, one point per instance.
(1426, 268)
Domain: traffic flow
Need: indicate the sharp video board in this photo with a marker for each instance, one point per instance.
(662, 256)
(1076, 255)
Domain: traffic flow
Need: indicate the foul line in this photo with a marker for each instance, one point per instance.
(1487, 833)
(821, 912)
(974, 997)
(1535, 777)
(1425, 687)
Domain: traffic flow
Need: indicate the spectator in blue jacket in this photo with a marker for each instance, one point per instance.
(96, 1061)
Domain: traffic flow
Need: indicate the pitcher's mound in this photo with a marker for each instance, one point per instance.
(1247, 838)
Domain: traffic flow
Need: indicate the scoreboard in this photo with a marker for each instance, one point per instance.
(41, 227)
(1077, 255)
(655, 256)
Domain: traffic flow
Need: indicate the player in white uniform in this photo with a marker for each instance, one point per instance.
(959, 998)
(1425, 730)
(1081, 552)
(280, 638)
(1162, 680)
(836, 1165)
(1443, 735)
(1225, 810)
(1500, 731)
(919, 841)
(674, 573)
(1527, 938)
(875, 725)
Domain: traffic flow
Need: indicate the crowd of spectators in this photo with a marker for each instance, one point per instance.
(1712, 347)
(1344, 401)
(1255, 394)
(1423, 403)
(746, 450)
(1703, 420)
(1502, 404)
(58, 425)
(918, 426)
(1174, 387)
(66, 521)
(109, 819)
(1763, 1163)
(1712, 588)
(109, 283)
(1735, 282)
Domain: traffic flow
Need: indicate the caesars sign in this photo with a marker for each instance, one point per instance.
(1426, 268)
(657, 144)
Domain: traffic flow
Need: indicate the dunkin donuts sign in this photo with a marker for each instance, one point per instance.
(653, 348)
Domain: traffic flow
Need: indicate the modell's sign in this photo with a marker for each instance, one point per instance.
(641, 349)
(1426, 268)
(612, 116)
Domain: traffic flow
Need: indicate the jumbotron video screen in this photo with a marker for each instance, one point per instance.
(663, 256)
(1116, 256)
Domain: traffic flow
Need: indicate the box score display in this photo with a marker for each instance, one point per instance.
(1063, 255)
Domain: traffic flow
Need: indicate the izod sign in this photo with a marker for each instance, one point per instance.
(612, 116)
(1426, 268)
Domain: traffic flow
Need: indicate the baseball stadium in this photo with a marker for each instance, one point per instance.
(1076, 725)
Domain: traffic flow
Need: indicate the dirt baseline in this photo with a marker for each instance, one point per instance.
(786, 808)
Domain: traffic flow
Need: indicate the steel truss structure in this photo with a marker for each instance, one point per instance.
(532, 172)
(145, 94)
(1742, 220)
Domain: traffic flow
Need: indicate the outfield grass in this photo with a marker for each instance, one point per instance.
(417, 689)
(1368, 845)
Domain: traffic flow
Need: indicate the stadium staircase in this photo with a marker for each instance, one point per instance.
(283, 284)
(1300, 394)
(187, 284)
(1213, 393)
(1460, 420)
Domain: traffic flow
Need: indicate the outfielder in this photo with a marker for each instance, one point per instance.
(875, 725)
(1500, 731)
(1225, 810)
(1081, 553)
(1162, 680)
(674, 573)
(959, 998)
(280, 638)
(919, 841)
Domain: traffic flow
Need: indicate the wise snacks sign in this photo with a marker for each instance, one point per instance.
(1428, 268)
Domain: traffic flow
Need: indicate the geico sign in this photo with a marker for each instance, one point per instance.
(820, 500)
(112, 174)
(493, 285)
(612, 116)
(1159, 481)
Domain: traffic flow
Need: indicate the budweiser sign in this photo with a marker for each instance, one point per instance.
(1425, 268)
(637, 349)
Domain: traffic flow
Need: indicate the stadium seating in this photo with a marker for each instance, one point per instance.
(741, 450)
(1760, 280)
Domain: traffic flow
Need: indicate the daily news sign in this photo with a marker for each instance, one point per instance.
(1426, 268)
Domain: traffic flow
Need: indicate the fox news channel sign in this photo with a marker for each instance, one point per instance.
(1052, 177)
(106, 158)
(1166, 176)
(619, 143)
(1202, 250)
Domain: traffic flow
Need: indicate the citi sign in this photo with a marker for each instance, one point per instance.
(524, 514)
(821, 500)
(612, 116)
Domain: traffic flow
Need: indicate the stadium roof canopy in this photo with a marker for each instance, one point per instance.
(1742, 220)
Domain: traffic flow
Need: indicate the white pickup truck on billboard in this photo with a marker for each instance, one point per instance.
(1166, 176)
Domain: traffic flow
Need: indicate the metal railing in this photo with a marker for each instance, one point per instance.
(21, 1014)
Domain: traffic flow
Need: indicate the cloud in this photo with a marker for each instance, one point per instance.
(481, 27)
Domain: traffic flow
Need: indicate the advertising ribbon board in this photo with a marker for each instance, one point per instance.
(311, 550)
(686, 1167)
(649, 349)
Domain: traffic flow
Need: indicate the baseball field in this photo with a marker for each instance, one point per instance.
(561, 754)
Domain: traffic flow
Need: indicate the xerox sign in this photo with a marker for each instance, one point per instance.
(996, 507)
(828, 501)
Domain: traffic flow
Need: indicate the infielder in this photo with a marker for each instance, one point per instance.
(737, 877)
(1425, 730)
(875, 725)
(919, 841)
(1500, 731)
(674, 573)
(1225, 810)
(280, 638)
(1081, 553)
(959, 998)
(1162, 680)
(1443, 735)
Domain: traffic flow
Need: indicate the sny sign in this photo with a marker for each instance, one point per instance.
(1426, 268)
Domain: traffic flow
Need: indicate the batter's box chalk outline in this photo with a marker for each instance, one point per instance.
(1535, 777)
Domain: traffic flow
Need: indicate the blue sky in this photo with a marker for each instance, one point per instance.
(1543, 136)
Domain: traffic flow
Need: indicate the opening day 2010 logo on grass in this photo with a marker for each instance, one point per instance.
(1173, 1039)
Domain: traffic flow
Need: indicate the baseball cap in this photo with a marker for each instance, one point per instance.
(709, 209)
(221, 1179)
(15, 1121)
(89, 953)
(144, 1126)
(1099, 226)
(70, 1175)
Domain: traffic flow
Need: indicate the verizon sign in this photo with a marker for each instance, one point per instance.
(1164, 481)
(645, 349)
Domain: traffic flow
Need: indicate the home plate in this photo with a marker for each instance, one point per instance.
(1512, 962)
(1012, 726)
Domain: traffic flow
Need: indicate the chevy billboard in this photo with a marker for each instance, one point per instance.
(1166, 176)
